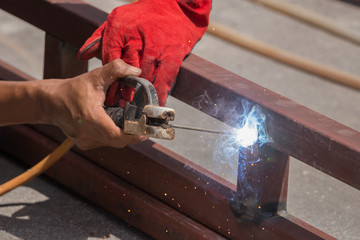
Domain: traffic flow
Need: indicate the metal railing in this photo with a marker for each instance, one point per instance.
(146, 184)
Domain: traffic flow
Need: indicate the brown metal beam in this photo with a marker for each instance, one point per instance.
(75, 175)
(202, 195)
(304, 134)
(262, 172)
(60, 59)
(295, 130)
(10, 73)
(108, 191)
(191, 190)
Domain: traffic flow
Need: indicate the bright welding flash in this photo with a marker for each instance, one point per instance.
(246, 136)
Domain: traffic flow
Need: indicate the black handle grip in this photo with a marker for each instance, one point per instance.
(117, 115)
(145, 94)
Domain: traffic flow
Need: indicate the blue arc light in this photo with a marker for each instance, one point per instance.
(246, 135)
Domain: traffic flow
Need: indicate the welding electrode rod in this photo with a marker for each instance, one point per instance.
(38, 169)
(199, 129)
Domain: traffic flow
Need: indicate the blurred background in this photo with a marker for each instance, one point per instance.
(28, 212)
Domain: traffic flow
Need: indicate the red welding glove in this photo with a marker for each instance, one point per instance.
(154, 35)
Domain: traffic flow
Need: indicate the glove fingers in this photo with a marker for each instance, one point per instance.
(165, 78)
(131, 52)
(92, 46)
(149, 66)
(113, 95)
(118, 95)
(131, 55)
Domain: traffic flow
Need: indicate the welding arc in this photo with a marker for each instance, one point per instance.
(38, 169)
(199, 129)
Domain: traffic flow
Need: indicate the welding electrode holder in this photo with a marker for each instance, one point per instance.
(143, 116)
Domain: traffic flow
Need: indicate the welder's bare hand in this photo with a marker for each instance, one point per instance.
(76, 106)
(154, 35)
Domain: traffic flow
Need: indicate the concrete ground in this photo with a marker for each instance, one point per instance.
(28, 212)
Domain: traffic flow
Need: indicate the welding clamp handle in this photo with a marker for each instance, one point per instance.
(145, 94)
(145, 91)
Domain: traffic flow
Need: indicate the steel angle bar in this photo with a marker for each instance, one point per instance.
(192, 190)
(104, 189)
(320, 142)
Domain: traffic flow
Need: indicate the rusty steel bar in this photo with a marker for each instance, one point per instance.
(162, 163)
(262, 172)
(300, 132)
(198, 192)
(57, 68)
(8, 72)
(108, 191)
(60, 59)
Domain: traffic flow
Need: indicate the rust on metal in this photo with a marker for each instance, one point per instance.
(259, 193)
(177, 198)
(110, 192)
(295, 130)
(65, 64)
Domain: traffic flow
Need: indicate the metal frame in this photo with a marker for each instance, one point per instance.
(147, 184)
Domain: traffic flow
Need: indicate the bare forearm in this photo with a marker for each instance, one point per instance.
(21, 102)
(75, 105)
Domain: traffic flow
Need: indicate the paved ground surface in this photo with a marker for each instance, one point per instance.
(42, 208)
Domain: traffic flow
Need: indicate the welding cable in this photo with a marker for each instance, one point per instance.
(37, 169)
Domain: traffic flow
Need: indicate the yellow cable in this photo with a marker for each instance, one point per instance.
(37, 169)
